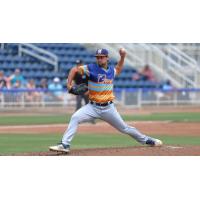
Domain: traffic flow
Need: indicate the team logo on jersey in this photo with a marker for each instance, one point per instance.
(101, 77)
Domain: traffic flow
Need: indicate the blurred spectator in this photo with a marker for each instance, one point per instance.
(17, 77)
(43, 84)
(17, 96)
(3, 84)
(145, 75)
(34, 95)
(136, 76)
(167, 91)
(17, 85)
(56, 85)
(3, 81)
(45, 96)
(167, 85)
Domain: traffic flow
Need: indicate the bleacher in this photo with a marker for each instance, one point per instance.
(67, 53)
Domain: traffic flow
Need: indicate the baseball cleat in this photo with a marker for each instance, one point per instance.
(154, 142)
(60, 148)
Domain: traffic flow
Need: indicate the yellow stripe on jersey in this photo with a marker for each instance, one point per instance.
(100, 86)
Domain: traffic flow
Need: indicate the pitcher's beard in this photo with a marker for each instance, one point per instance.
(103, 65)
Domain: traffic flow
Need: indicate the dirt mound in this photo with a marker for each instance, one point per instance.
(127, 151)
(148, 127)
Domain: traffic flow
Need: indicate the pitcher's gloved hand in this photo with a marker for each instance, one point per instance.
(79, 89)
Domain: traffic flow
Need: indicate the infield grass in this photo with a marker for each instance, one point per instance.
(62, 119)
(21, 143)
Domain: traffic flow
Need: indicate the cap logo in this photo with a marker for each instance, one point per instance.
(99, 51)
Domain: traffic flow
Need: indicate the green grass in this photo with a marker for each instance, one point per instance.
(19, 143)
(57, 119)
(176, 117)
(30, 120)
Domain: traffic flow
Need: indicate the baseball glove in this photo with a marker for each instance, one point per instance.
(79, 89)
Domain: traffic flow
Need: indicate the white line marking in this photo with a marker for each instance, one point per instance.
(173, 147)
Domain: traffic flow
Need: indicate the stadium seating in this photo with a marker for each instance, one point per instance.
(67, 53)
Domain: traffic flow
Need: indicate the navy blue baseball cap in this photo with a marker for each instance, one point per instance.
(101, 52)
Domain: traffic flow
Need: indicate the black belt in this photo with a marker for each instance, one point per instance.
(101, 104)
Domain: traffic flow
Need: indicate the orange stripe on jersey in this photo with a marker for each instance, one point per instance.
(101, 97)
(91, 92)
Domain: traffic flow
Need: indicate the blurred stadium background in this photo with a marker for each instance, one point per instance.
(154, 74)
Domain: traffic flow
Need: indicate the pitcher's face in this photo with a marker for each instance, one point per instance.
(102, 60)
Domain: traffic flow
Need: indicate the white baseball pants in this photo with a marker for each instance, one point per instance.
(108, 114)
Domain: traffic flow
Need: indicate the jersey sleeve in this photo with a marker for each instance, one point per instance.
(84, 70)
(115, 72)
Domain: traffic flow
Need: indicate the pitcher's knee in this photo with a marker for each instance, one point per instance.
(75, 118)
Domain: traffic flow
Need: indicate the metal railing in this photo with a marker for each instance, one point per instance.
(157, 97)
(35, 97)
(190, 49)
(21, 98)
(39, 53)
(187, 65)
(181, 57)
(171, 67)
(167, 61)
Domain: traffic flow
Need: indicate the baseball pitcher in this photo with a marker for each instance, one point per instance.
(100, 85)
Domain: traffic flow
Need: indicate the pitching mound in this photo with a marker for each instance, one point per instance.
(127, 151)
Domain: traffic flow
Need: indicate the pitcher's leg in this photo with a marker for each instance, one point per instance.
(78, 102)
(86, 99)
(114, 119)
(84, 114)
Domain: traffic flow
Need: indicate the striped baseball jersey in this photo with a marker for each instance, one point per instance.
(100, 82)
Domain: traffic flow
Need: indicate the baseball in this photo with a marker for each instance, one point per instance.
(122, 50)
